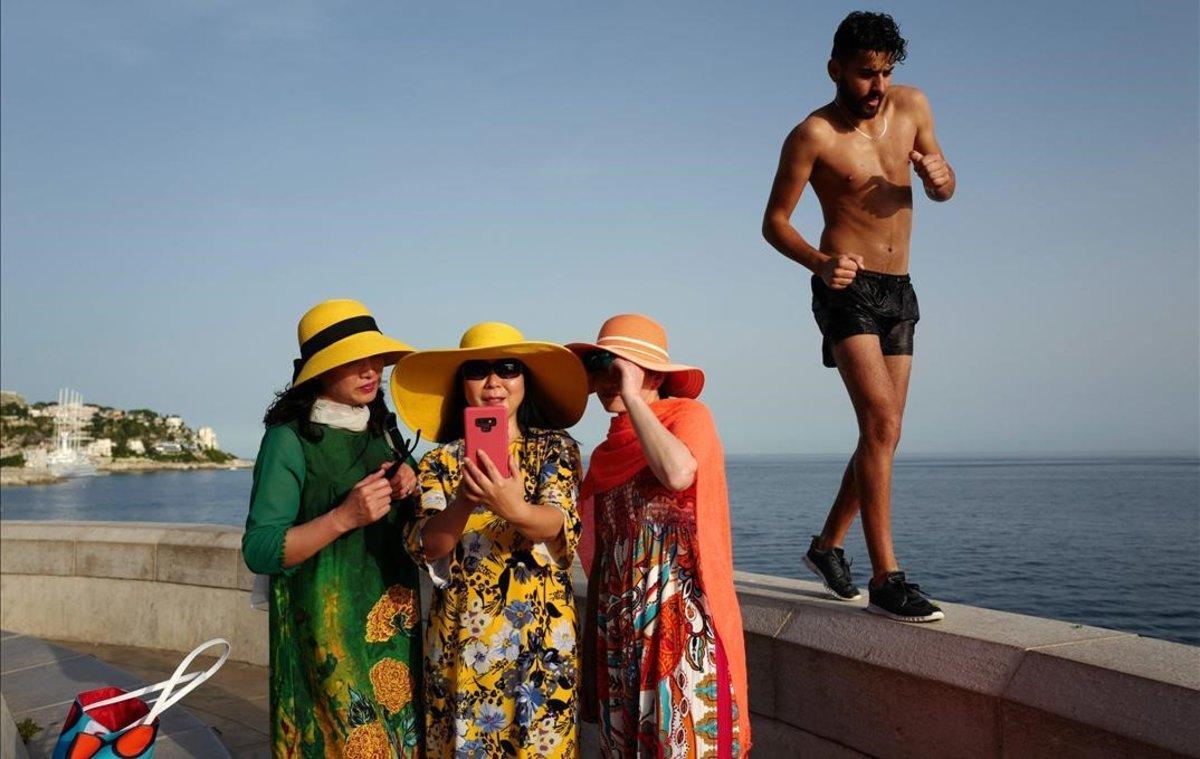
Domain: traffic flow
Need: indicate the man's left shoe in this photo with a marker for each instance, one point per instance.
(899, 599)
(833, 568)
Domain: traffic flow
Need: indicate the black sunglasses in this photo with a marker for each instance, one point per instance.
(598, 362)
(504, 368)
(402, 448)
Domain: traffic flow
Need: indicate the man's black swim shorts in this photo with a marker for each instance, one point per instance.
(873, 304)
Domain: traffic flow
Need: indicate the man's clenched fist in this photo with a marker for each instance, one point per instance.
(838, 271)
(932, 169)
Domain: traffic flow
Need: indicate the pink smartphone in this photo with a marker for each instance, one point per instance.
(487, 430)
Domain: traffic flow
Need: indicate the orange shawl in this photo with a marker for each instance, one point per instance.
(619, 458)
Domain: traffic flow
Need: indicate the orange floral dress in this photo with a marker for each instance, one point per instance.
(664, 686)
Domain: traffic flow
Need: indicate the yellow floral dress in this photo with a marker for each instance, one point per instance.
(500, 657)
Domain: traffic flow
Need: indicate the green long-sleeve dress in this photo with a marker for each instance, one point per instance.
(345, 644)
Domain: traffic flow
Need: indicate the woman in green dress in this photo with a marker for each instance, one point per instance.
(500, 657)
(324, 524)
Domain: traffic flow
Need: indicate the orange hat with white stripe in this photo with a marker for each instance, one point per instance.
(643, 341)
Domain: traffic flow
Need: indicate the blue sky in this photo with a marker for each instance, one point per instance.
(181, 180)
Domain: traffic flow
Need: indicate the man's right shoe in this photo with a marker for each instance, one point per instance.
(899, 599)
(834, 570)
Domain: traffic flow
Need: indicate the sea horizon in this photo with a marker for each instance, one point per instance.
(1100, 539)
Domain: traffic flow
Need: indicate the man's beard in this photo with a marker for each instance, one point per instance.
(858, 106)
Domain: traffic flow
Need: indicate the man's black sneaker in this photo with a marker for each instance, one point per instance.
(902, 600)
(834, 570)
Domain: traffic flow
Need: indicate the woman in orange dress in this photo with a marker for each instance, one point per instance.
(663, 632)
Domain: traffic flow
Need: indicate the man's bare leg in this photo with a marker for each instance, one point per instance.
(846, 505)
(878, 387)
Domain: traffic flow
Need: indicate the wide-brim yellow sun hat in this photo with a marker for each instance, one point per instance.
(338, 332)
(425, 384)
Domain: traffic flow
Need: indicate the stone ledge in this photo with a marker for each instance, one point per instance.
(120, 532)
(1140, 690)
(204, 555)
(1143, 688)
(37, 557)
(133, 613)
(11, 745)
(130, 561)
(973, 648)
(980, 683)
(777, 739)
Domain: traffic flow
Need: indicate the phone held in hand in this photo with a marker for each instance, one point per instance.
(487, 430)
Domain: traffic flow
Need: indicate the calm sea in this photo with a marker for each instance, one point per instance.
(1113, 542)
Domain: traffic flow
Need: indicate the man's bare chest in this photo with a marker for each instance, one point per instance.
(856, 164)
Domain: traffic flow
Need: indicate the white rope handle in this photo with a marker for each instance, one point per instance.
(170, 696)
(139, 692)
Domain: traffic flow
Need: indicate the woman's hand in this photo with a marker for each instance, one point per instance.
(368, 502)
(632, 378)
(403, 482)
(505, 497)
(483, 483)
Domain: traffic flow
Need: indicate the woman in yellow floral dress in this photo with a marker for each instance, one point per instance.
(500, 653)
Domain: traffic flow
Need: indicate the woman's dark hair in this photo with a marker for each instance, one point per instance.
(296, 402)
(530, 414)
(869, 32)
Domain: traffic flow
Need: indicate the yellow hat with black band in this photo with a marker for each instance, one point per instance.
(338, 332)
(428, 398)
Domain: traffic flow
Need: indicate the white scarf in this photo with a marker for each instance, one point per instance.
(334, 414)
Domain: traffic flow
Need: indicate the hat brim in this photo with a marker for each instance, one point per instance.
(424, 392)
(350, 349)
(682, 381)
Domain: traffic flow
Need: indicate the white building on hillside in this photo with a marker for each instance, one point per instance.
(35, 457)
(206, 438)
(80, 411)
(174, 422)
(136, 446)
(102, 448)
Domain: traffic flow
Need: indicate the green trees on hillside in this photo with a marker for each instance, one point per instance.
(25, 431)
(19, 429)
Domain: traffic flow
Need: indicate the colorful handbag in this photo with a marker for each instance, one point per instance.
(109, 722)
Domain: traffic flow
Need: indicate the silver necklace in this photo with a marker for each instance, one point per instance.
(846, 116)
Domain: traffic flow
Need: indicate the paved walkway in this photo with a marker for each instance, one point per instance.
(40, 680)
(233, 702)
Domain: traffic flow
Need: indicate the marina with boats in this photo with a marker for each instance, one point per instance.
(45, 443)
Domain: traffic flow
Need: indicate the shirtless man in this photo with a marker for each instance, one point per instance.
(856, 152)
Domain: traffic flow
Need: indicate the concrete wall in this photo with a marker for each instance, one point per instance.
(826, 678)
(167, 586)
(11, 745)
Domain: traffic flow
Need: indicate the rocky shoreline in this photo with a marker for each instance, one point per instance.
(149, 465)
(23, 476)
(17, 476)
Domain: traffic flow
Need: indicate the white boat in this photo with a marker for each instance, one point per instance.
(67, 459)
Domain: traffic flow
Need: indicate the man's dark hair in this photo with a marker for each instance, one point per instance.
(869, 32)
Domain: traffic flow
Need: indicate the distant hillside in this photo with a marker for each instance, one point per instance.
(111, 432)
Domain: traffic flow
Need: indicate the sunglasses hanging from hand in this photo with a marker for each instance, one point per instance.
(402, 448)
